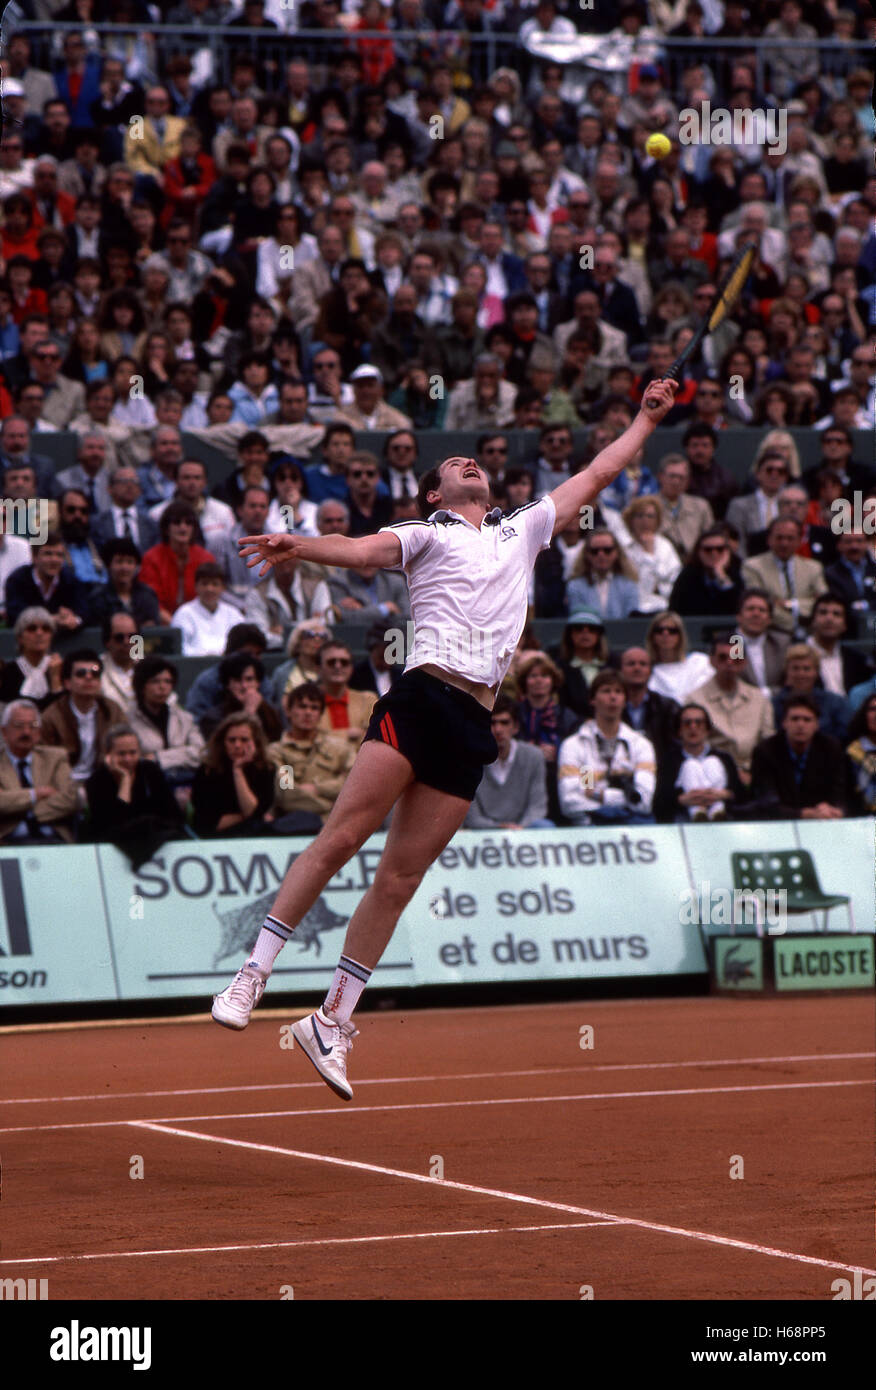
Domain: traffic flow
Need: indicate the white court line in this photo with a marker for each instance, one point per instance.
(448, 1076)
(611, 1218)
(303, 1244)
(439, 1105)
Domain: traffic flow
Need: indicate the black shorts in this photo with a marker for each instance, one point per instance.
(445, 734)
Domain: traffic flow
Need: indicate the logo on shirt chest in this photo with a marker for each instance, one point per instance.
(506, 532)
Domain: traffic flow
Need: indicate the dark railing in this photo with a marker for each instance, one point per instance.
(478, 53)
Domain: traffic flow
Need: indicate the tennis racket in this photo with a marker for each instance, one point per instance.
(727, 295)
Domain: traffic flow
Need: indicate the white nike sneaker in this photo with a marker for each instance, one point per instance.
(234, 1005)
(326, 1044)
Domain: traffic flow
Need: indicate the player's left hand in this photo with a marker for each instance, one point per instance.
(659, 398)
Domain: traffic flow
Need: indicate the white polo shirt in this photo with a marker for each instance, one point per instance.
(468, 586)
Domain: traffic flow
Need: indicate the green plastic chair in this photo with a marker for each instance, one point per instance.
(791, 871)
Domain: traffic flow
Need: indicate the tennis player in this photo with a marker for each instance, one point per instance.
(429, 738)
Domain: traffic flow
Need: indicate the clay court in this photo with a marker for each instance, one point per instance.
(563, 1168)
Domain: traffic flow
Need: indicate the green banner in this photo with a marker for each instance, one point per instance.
(823, 962)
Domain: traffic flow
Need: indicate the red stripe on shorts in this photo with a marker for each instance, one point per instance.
(388, 730)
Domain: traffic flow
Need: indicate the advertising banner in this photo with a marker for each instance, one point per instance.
(78, 924)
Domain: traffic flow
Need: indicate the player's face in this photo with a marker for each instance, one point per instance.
(463, 481)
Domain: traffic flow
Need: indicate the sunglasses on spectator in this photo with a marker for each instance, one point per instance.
(338, 661)
(48, 356)
(76, 511)
(38, 627)
(495, 449)
(602, 550)
(666, 627)
(363, 473)
(408, 448)
(713, 549)
(693, 719)
(80, 672)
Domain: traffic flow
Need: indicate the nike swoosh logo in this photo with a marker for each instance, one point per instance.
(324, 1050)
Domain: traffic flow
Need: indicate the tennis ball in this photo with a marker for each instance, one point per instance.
(658, 145)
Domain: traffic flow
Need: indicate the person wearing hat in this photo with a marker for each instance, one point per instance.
(37, 86)
(581, 655)
(369, 411)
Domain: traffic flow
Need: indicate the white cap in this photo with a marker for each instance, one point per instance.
(366, 372)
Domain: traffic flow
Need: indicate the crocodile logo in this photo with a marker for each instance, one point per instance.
(736, 970)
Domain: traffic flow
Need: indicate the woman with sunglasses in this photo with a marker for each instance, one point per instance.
(35, 674)
(306, 640)
(711, 581)
(674, 672)
(603, 579)
(290, 509)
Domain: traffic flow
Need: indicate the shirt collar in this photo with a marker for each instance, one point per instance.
(444, 515)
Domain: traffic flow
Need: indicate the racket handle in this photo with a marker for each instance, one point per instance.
(674, 374)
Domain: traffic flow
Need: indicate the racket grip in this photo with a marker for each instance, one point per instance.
(674, 374)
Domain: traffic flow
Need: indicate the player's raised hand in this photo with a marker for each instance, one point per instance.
(659, 398)
(269, 551)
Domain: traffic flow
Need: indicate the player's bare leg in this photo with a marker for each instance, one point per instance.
(423, 823)
(375, 782)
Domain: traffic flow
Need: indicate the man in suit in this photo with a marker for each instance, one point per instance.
(552, 308)
(505, 272)
(90, 473)
(799, 773)
(651, 714)
(841, 668)
(763, 648)
(792, 583)
(64, 399)
(754, 511)
(79, 719)
(37, 796)
(685, 517)
(15, 452)
(374, 673)
(313, 281)
(741, 716)
(612, 343)
(853, 577)
(124, 516)
(148, 148)
(619, 305)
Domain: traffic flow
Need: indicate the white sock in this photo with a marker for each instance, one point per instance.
(271, 940)
(349, 980)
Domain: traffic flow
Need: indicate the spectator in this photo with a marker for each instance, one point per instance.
(303, 648)
(606, 770)
(215, 518)
(853, 577)
(710, 583)
(290, 509)
(206, 620)
(369, 509)
(170, 567)
(35, 674)
(763, 647)
(347, 711)
(654, 558)
(753, 512)
(129, 800)
(741, 715)
(841, 667)
(206, 689)
(311, 766)
(367, 594)
(124, 517)
(78, 720)
(675, 673)
(708, 479)
(645, 711)
(603, 579)
(861, 753)
(233, 790)
(122, 645)
(792, 583)
(48, 583)
(696, 781)
(37, 794)
(168, 734)
(483, 401)
(241, 678)
(375, 673)
(685, 517)
(799, 773)
(582, 654)
(123, 591)
(513, 791)
(802, 677)
(543, 719)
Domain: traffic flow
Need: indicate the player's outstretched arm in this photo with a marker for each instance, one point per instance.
(348, 552)
(585, 486)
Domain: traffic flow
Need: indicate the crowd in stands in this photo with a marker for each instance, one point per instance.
(276, 256)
